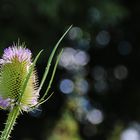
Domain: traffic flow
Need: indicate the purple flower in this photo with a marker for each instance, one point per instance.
(14, 52)
(15, 65)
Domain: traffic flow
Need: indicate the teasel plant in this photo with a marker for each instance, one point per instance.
(19, 88)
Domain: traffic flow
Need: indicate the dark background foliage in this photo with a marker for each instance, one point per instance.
(97, 82)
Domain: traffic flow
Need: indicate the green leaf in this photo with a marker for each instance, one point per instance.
(52, 77)
(51, 57)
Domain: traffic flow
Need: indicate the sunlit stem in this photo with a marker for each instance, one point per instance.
(11, 120)
(12, 116)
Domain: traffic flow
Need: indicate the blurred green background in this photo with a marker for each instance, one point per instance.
(97, 92)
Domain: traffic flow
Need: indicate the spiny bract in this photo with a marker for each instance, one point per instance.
(14, 67)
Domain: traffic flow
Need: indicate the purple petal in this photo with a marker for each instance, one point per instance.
(4, 103)
(22, 54)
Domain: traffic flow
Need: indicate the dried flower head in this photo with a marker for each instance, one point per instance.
(14, 67)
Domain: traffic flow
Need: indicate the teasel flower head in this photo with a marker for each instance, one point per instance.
(14, 68)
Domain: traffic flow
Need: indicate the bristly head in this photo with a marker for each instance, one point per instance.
(14, 67)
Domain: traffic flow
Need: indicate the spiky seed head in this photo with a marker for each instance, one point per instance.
(14, 67)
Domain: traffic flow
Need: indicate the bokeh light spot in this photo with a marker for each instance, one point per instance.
(82, 86)
(121, 72)
(95, 116)
(81, 58)
(99, 73)
(130, 134)
(72, 59)
(103, 38)
(94, 15)
(66, 86)
(101, 86)
(75, 33)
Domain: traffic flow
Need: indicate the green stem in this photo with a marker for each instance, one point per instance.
(11, 120)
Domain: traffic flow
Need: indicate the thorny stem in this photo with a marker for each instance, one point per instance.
(12, 116)
(11, 121)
